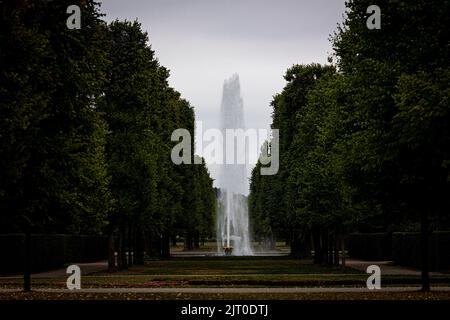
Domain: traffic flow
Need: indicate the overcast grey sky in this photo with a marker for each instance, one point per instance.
(203, 42)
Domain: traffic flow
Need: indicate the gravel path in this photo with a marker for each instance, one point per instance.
(229, 290)
(387, 267)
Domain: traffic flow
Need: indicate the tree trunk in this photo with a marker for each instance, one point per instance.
(188, 244)
(153, 245)
(330, 248)
(424, 230)
(295, 247)
(344, 256)
(317, 245)
(111, 250)
(325, 247)
(300, 245)
(337, 239)
(196, 241)
(273, 242)
(27, 263)
(122, 251)
(165, 245)
(130, 245)
(140, 246)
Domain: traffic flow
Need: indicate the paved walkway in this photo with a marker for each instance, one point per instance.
(230, 290)
(86, 269)
(387, 267)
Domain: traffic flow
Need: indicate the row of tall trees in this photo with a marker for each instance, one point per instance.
(154, 200)
(86, 120)
(365, 142)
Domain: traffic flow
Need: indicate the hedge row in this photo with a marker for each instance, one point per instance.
(370, 246)
(50, 251)
(401, 247)
(406, 249)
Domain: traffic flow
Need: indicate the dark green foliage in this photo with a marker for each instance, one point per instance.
(85, 133)
(365, 148)
(154, 198)
(52, 169)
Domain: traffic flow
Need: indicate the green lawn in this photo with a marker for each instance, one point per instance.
(226, 272)
(233, 266)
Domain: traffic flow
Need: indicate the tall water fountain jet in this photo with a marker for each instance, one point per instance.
(232, 209)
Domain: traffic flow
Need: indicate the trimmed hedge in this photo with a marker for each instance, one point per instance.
(50, 251)
(401, 247)
(406, 249)
(370, 246)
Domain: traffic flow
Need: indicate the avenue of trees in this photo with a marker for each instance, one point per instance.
(365, 141)
(85, 126)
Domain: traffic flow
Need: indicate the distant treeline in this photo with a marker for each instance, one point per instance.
(85, 133)
(364, 141)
